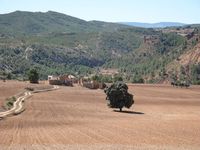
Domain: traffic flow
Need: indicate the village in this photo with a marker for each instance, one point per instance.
(70, 80)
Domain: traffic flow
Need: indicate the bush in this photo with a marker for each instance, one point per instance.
(118, 96)
(117, 78)
(137, 79)
(9, 102)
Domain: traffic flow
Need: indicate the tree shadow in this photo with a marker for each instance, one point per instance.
(130, 112)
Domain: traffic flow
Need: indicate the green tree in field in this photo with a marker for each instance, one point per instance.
(33, 76)
(118, 96)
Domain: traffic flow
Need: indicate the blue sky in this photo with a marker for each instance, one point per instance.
(185, 11)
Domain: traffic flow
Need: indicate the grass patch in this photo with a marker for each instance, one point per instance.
(9, 102)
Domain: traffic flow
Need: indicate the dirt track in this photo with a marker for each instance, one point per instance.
(18, 104)
(10, 88)
(77, 118)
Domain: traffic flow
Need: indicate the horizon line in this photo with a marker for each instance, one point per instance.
(100, 20)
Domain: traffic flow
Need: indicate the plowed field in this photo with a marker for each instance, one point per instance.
(69, 118)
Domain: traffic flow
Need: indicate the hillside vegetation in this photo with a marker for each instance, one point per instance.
(55, 43)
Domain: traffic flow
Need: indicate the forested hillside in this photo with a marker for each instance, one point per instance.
(55, 43)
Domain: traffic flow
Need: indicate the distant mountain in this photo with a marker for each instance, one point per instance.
(153, 25)
(29, 23)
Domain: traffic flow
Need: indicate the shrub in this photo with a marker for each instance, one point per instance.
(10, 101)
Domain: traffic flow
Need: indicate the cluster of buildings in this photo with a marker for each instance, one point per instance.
(91, 84)
(69, 80)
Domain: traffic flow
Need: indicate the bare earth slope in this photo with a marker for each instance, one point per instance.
(190, 57)
(163, 117)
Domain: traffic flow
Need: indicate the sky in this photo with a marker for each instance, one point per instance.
(149, 11)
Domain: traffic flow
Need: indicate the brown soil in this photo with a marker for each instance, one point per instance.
(162, 117)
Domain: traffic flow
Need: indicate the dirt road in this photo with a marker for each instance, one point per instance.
(10, 88)
(163, 117)
(18, 104)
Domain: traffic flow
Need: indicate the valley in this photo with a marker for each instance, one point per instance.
(56, 43)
